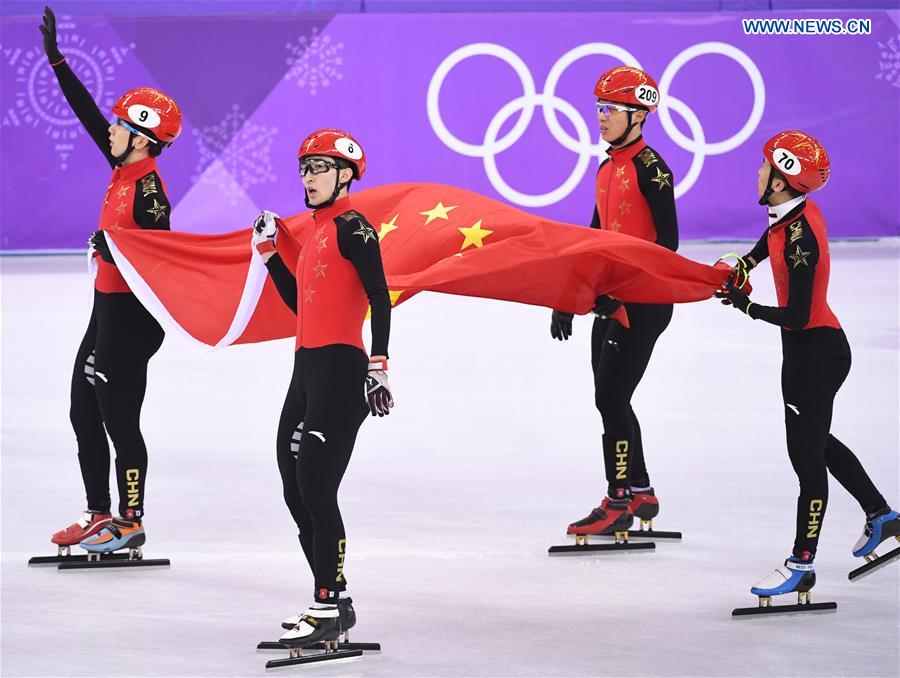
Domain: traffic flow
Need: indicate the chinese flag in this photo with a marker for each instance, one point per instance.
(215, 290)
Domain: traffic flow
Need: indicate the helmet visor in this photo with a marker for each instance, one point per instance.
(316, 166)
(606, 109)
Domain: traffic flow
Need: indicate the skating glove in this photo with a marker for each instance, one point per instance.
(561, 325)
(98, 242)
(378, 392)
(742, 268)
(48, 30)
(265, 230)
(731, 295)
(740, 271)
(605, 306)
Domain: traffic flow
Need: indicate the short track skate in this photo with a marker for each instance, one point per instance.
(646, 531)
(65, 560)
(583, 547)
(874, 562)
(803, 606)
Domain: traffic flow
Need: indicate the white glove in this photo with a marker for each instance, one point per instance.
(265, 231)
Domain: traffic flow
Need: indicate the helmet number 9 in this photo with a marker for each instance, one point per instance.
(647, 95)
(143, 116)
(348, 148)
(787, 162)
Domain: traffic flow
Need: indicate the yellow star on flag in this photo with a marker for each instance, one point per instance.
(120, 208)
(474, 235)
(625, 184)
(619, 172)
(123, 191)
(615, 226)
(319, 268)
(437, 212)
(661, 179)
(624, 208)
(388, 227)
(309, 294)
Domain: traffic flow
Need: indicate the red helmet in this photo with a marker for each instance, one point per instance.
(335, 143)
(800, 159)
(628, 85)
(153, 112)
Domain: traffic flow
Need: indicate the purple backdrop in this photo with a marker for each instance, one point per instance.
(252, 87)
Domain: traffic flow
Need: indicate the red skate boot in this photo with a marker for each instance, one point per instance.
(612, 518)
(645, 507)
(613, 515)
(90, 523)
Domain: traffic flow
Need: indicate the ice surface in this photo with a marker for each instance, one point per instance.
(452, 501)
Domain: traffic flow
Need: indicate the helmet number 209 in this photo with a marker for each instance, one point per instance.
(647, 95)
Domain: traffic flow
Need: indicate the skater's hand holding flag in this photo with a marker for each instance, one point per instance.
(265, 232)
(215, 289)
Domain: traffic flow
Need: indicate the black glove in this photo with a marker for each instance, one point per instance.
(732, 296)
(561, 325)
(605, 306)
(48, 30)
(98, 242)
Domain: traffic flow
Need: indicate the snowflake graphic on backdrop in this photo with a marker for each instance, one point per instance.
(314, 60)
(889, 64)
(38, 101)
(235, 154)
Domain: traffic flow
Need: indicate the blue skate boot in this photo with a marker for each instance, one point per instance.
(120, 534)
(795, 576)
(879, 528)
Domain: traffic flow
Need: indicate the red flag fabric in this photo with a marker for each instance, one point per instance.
(214, 289)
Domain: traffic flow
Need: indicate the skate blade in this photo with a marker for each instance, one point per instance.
(639, 534)
(365, 647)
(587, 549)
(313, 658)
(106, 562)
(873, 565)
(808, 608)
(56, 560)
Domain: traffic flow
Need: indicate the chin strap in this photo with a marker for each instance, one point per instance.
(764, 198)
(621, 138)
(123, 156)
(334, 194)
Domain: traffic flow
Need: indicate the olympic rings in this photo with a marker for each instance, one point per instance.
(551, 104)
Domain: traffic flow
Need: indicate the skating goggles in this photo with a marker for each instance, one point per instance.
(135, 130)
(606, 110)
(316, 166)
